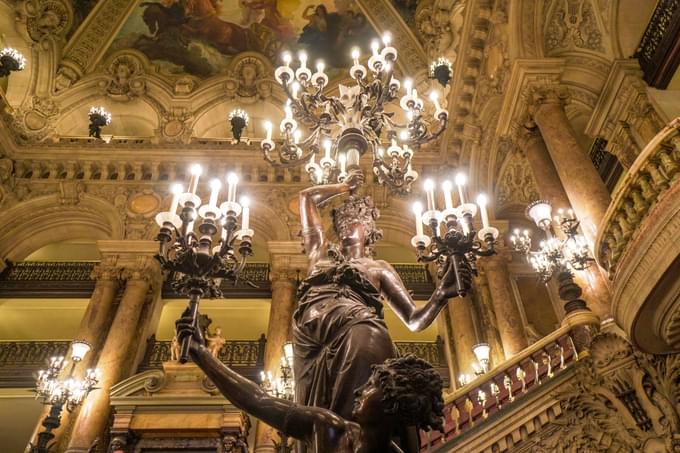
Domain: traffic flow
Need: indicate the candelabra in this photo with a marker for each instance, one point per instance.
(239, 120)
(441, 71)
(556, 256)
(190, 257)
(347, 126)
(60, 392)
(458, 245)
(99, 118)
(11, 60)
(281, 387)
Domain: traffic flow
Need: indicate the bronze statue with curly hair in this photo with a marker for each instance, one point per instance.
(338, 327)
(403, 391)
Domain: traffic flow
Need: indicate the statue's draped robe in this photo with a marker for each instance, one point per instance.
(338, 332)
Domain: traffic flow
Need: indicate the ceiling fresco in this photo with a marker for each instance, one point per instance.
(201, 37)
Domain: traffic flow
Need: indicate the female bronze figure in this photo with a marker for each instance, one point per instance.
(401, 392)
(338, 327)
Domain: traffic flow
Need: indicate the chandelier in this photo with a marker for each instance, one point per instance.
(340, 129)
(195, 259)
(457, 244)
(11, 60)
(555, 254)
(62, 391)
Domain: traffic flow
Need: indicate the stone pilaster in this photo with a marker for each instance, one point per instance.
(288, 264)
(140, 272)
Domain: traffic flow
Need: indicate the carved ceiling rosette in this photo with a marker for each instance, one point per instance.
(124, 76)
(45, 21)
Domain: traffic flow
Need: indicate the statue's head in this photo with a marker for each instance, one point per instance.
(355, 220)
(406, 389)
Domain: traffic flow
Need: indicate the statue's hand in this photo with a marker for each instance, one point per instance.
(185, 328)
(354, 179)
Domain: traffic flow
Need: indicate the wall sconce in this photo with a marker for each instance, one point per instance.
(441, 70)
(99, 118)
(239, 120)
(482, 351)
(11, 60)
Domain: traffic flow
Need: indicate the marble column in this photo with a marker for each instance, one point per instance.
(93, 329)
(551, 189)
(585, 189)
(287, 264)
(464, 332)
(508, 316)
(547, 180)
(139, 271)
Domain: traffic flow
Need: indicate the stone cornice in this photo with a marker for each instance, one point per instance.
(623, 72)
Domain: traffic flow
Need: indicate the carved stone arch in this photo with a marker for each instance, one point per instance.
(139, 385)
(33, 224)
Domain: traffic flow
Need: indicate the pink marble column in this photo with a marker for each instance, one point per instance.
(93, 329)
(595, 288)
(587, 193)
(116, 354)
(508, 316)
(464, 333)
(287, 264)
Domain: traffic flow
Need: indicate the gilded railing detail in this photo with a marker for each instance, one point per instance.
(510, 382)
(655, 170)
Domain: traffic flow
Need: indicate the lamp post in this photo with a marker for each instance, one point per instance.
(190, 258)
(340, 129)
(62, 391)
(281, 387)
(458, 242)
(562, 251)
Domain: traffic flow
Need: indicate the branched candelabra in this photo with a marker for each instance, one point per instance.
(341, 129)
(99, 118)
(555, 255)
(460, 244)
(191, 258)
(11, 60)
(281, 387)
(62, 391)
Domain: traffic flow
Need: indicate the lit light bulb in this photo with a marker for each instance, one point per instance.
(356, 54)
(418, 211)
(215, 186)
(320, 66)
(287, 58)
(386, 39)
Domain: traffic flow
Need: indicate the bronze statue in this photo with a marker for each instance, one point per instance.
(338, 327)
(401, 392)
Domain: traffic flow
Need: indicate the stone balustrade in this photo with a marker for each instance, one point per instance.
(651, 175)
(503, 389)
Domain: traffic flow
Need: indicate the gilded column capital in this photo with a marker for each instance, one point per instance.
(288, 262)
(551, 94)
(106, 272)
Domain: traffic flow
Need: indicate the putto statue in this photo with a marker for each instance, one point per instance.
(338, 327)
(404, 391)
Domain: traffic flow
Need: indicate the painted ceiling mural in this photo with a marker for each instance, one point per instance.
(200, 37)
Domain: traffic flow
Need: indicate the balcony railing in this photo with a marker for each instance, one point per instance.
(503, 387)
(651, 175)
(42, 279)
(20, 360)
(657, 52)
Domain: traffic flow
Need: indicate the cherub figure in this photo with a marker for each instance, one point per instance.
(174, 349)
(215, 342)
(400, 392)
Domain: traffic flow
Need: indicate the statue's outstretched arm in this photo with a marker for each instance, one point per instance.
(399, 299)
